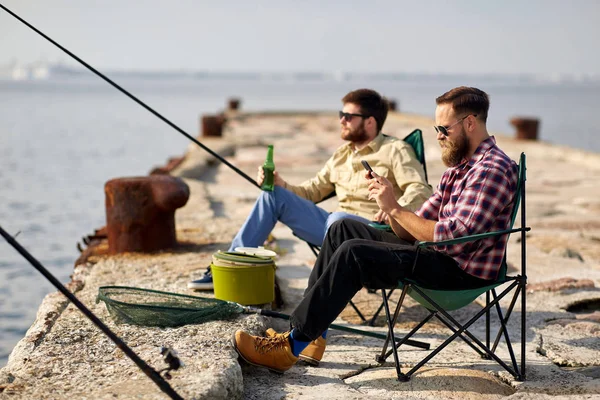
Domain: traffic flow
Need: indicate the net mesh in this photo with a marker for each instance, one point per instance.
(145, 307)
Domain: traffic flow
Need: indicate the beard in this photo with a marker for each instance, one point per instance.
(454, 151)
(355, 135)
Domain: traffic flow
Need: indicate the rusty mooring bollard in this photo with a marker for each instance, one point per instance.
(140, 212)
(212, 125)
(234, 104)
(527, 128)
(392, 105)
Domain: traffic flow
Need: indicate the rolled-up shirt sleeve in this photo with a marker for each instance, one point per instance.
(431, 207)
(483, 197)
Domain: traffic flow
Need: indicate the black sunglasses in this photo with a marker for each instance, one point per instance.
(444, 129)
(348, 116)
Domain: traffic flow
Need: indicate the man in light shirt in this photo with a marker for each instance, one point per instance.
(361, 122)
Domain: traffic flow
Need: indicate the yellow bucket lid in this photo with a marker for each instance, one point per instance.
(234, 258)
(256, 251)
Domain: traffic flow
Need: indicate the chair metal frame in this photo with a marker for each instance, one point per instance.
(424, 297)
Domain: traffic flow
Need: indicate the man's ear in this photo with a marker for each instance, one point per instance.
(371, 121)
(471, 123)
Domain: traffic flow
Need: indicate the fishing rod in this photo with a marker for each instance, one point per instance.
(148, 370)
(134, 98)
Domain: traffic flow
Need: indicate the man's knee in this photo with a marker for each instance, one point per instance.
(277, 196)
(335, 217)
(350, 245)
(342, 225)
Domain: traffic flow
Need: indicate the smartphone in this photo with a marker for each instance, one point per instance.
(367, 167)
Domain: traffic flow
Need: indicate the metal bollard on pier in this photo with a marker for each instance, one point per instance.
(234, 104)
(212, 125)
(392, 105)
(527, 128)
(140, 212)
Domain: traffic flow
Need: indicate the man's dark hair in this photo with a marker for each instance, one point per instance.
(467, 100)
(371, 104)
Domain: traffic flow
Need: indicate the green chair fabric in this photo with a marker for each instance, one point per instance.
(415, 139)
(449, 300)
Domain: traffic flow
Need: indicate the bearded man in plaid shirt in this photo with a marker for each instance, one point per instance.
(475, 195)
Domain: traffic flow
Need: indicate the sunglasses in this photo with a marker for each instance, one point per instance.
(348, 116)
(444, 129)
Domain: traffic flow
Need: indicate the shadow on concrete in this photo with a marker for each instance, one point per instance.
(209, 247)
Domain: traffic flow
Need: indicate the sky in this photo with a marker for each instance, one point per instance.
(427, 36)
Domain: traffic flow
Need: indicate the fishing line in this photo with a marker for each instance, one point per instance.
(125, 92)
(148, 370)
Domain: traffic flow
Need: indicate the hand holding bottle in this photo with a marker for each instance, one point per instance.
(267, 178)
(277, 179)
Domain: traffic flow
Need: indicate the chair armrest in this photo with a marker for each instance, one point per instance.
(472, 238)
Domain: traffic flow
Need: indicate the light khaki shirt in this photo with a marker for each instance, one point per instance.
(343, 173)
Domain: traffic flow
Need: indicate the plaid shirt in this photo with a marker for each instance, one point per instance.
(475, 197)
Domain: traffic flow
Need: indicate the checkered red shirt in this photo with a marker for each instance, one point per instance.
(475, 197)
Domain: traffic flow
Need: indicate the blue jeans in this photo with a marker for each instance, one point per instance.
(303, 217)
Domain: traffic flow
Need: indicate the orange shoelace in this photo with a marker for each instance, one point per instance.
(266, 344)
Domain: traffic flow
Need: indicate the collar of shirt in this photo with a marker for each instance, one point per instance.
(479, 153)
(374, 144)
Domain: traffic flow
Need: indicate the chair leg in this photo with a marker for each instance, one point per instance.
(405, 339)
(401, 376)
(487, 319)
(362, 317)
(372, 320)
(314, 249)
(505, 318)
(523, 286)
(380, 358)
(453, 329)
(505, 331)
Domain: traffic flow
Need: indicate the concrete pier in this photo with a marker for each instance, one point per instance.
(63, 356)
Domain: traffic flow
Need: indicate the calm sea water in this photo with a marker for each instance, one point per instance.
(61, 140)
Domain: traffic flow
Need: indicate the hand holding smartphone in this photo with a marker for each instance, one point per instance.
(368, 168)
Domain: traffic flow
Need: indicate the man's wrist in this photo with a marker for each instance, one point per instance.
(396, 211)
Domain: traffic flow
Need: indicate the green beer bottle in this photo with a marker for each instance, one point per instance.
(268, 167)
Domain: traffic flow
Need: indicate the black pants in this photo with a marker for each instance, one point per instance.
(355, 255)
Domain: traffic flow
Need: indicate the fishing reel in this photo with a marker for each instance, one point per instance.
(172, 359)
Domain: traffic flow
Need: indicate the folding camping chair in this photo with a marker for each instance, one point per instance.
(439, 302)
(415, 140)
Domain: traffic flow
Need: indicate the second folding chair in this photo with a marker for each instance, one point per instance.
(440, 302)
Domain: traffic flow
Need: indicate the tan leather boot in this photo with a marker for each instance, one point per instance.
(274, 353)
(312, 354)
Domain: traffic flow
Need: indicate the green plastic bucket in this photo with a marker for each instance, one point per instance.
(243, 278)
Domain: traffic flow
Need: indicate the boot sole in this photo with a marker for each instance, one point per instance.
(309, 360)
(233, 342)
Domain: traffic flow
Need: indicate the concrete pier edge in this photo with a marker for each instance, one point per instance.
(220, 376)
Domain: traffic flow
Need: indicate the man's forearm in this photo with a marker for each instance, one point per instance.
(399, 230)
(411, 226)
